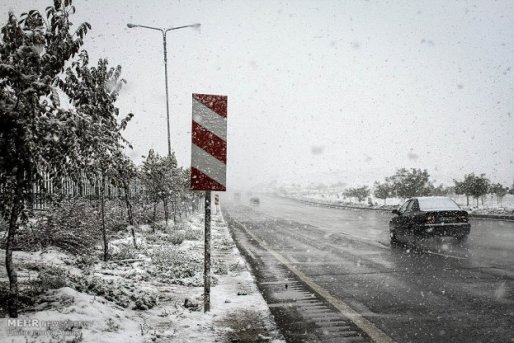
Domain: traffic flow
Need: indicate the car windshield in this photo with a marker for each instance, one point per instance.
(437, 204)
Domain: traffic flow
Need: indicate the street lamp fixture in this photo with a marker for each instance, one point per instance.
(164, 31)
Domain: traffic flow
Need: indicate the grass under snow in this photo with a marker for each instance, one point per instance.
(140, 294)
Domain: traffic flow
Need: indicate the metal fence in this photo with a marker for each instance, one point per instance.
(46, 188)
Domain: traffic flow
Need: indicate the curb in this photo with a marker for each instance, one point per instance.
(270, 325)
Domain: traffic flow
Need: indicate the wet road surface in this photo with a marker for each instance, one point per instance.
(431, 291)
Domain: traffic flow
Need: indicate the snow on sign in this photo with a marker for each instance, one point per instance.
(209, 143)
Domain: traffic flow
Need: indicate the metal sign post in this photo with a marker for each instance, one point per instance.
(208, 164)
(207, 254)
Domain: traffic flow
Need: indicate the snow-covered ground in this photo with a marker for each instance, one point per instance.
(141, 295)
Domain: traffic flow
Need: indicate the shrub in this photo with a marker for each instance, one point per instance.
(176, 237)
(193, 234)
(144, 214)
(165, 256)
(220, 268)
(96, 286)
(125, 252)
(121, 294)
(115, 216)
(49, 278)
(26, 238)
(28, 297)
(180, 226)
(71, 225)
(144, 301)
(159, 226)
(112, 326)
(174, 264)
(86, 262)
(237, 266)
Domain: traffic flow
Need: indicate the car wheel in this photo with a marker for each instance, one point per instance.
(394, 239)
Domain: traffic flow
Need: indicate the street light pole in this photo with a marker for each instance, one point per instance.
(164, 32)
(167, 98)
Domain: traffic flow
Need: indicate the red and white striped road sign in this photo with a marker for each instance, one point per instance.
(216, 199)
(209, 144)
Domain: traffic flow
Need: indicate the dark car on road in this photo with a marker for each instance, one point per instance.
(255, 201)
(427, 217)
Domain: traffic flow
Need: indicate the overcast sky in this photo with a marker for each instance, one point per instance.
(321, 91)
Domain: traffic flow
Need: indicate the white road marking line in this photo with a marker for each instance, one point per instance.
(377, 335)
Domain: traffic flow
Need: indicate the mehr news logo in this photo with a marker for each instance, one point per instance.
(36, 327)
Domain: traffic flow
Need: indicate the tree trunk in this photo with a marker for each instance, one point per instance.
(130, 213)
(31, 197)
(180, 208)
(165, 205)
(12, 301)
(477, 202)
(102, 209)
(467, 200)
(175, 205)
(154, 211)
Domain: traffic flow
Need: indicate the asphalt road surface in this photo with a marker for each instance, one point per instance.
(437, 290)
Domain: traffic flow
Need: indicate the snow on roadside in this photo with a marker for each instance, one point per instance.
(489, 205)
(142, 302)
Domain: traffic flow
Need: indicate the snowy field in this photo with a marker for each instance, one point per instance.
(140, 296)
